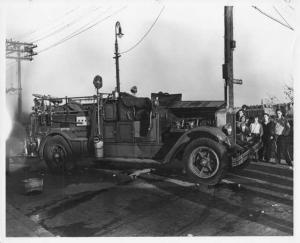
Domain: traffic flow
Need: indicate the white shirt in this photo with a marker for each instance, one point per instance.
(255, 128)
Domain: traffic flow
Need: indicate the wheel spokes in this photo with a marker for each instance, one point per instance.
(208, 165)
(202, 154)
(205, 162)
(208, 156)
(202, 173)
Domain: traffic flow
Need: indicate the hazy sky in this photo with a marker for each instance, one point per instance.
(183, 53)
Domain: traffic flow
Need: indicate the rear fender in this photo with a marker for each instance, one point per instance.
(213, 133)
(45, 139)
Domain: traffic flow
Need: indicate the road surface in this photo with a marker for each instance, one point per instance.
(115, 200)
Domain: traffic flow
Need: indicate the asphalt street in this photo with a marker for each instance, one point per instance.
(113, 199)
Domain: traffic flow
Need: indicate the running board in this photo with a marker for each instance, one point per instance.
(129, 160)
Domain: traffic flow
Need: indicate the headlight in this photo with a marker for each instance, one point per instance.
(227, 129)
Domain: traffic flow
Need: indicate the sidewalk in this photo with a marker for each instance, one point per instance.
(18, 225)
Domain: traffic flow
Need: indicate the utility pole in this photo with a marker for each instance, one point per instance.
(19, 51)
(118, 34)
(229, 45)
(19, 84)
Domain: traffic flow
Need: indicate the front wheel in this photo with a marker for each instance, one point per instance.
(58, 155)
(205, 161)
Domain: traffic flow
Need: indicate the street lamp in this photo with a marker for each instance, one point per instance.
(118, 34)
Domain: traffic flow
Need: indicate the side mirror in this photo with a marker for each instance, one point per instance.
(97, 82)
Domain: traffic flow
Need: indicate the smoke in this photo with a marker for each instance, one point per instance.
(15, 130)
(15, 139)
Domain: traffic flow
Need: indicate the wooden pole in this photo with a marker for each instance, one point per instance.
(229, 45)
(19, 51)
(19, 115)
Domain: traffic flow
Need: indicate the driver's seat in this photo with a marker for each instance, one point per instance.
(140, 107)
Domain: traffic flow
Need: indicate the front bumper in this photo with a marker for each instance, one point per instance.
(240, 157)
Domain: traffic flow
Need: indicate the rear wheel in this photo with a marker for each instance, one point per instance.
(205, 161)
(58, 155)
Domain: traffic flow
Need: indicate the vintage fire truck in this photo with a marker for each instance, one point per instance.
(160, 129)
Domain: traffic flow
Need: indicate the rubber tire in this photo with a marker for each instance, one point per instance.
(69, 162)
(219, 149)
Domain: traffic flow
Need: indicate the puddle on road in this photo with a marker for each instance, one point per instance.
(74, 189)
(81, 228)
(74, 195)
(42, 213)
(72, 202)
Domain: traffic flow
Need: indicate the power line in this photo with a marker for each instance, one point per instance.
(147, 32)
(81, 31)
(19, 51)
(76, 32)
(276, 20)
(52, 28)
(65, 26)
(281, 16)
(22, 50)
(38, 28)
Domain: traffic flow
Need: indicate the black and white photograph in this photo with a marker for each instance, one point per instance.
(152, 118)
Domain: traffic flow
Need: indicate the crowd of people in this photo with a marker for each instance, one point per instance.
(272, 132)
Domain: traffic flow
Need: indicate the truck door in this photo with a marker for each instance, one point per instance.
(110, 121)
(129, 120)
(123, 130)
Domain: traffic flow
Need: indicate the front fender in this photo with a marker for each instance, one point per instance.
(213, 133)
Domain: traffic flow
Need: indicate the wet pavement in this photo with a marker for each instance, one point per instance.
(114, 200)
